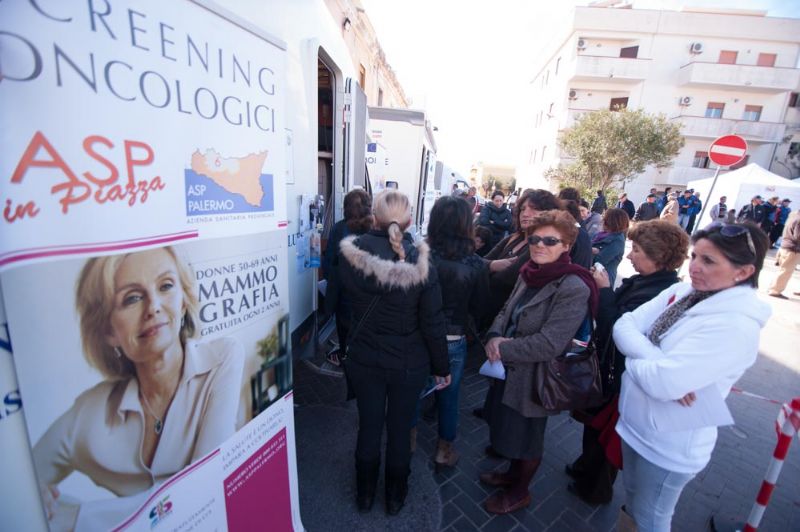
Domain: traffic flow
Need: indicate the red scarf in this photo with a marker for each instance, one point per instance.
(536, 276)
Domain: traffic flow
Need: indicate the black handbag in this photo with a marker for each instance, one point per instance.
(570, 381)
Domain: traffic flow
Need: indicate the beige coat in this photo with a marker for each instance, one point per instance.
(545, 328)
(670, 211)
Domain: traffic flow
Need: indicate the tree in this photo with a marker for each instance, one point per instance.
(615, 146)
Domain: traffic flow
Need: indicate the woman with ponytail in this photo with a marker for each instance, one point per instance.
(397, 338)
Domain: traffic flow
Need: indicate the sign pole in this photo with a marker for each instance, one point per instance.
(708, 198)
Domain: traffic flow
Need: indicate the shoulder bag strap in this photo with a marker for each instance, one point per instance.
(361, 322)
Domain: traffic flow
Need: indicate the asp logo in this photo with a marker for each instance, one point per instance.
(160, 511)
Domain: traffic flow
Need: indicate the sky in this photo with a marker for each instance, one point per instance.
(468, 64)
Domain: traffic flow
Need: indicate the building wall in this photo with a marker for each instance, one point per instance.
(379, 83)
(664, 72)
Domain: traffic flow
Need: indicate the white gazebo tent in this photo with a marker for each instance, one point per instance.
(739, 186)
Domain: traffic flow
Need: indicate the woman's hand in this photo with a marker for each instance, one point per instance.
(601, 278)
(493, 348)
(50, 495)
(442, 382)
(501, 264)
(688, 399)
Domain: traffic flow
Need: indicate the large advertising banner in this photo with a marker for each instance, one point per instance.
(142, 265)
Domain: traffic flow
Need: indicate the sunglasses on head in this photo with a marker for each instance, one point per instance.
(732, 231)
(548, 241)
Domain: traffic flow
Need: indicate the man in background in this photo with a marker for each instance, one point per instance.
(626, 205)
(694, 210)
(781, 215)
(720, 210)
(648, 210)
(788, 256)
(599, 204)
(752, 212)
(684, 208)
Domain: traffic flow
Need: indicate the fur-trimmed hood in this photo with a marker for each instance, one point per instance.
(387, 273)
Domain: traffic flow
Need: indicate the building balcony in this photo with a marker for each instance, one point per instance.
(711, 128)
(570, 116)
(681, 175)
(621, 70)
(739, 77)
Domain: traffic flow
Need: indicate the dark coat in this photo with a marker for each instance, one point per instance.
(612, 248)
(646, 211)
(599, 204)
(545, 328)
(627, 206)
(497, 220)
(751, 213)
(465, 290)
(406, 329)
(581, 251)
(633, 292)
(502, 283)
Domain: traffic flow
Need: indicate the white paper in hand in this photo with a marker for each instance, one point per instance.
(494, 370)
(709, 410)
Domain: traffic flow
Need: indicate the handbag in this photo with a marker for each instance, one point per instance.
(570, 381)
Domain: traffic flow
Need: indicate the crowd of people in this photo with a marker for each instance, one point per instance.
(525, 282)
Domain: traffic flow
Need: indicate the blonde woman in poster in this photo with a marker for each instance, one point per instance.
(166, 400)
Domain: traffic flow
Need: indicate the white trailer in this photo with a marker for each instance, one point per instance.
(408, 158)
(325, 138)
(138, 58)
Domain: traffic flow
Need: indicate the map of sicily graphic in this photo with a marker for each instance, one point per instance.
(219, 185)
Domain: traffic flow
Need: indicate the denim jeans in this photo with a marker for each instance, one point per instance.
(447, 399)
(683, 220)
(651, 492)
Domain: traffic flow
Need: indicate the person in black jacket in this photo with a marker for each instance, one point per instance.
(658, 249)
(464, 279)
(357, 220)
(626, 205)
(397, 338)
(496, 217)
(648, 210)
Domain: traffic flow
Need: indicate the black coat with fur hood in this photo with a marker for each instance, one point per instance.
(406, 328)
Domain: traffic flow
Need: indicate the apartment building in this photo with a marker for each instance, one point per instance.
(713, 72)
(375, 77)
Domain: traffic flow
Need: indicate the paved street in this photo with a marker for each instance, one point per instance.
(727, 487)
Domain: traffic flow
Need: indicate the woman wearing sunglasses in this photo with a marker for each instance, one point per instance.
(693, 340)
(549, 303)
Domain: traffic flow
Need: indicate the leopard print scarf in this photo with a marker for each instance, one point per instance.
(674, 312)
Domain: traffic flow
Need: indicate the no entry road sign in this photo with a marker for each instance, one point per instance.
(727, 150)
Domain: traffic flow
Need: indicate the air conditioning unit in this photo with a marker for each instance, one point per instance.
(696, 48)
(581, 44)
(686, 101)
(573, 94)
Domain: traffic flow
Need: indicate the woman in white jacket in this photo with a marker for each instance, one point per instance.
(691, 343)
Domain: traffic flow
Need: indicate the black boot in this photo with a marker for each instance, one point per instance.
(366, 482)
(396, 490)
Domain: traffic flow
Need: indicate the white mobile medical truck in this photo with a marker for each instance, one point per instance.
(402, 155)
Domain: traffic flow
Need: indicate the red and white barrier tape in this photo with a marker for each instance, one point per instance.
(788, 426)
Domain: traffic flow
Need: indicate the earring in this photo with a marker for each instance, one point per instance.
(118, 351)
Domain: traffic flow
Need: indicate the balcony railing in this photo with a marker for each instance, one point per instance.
(739, 77)
(700, 126)
(609, 69)
(681, 175)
